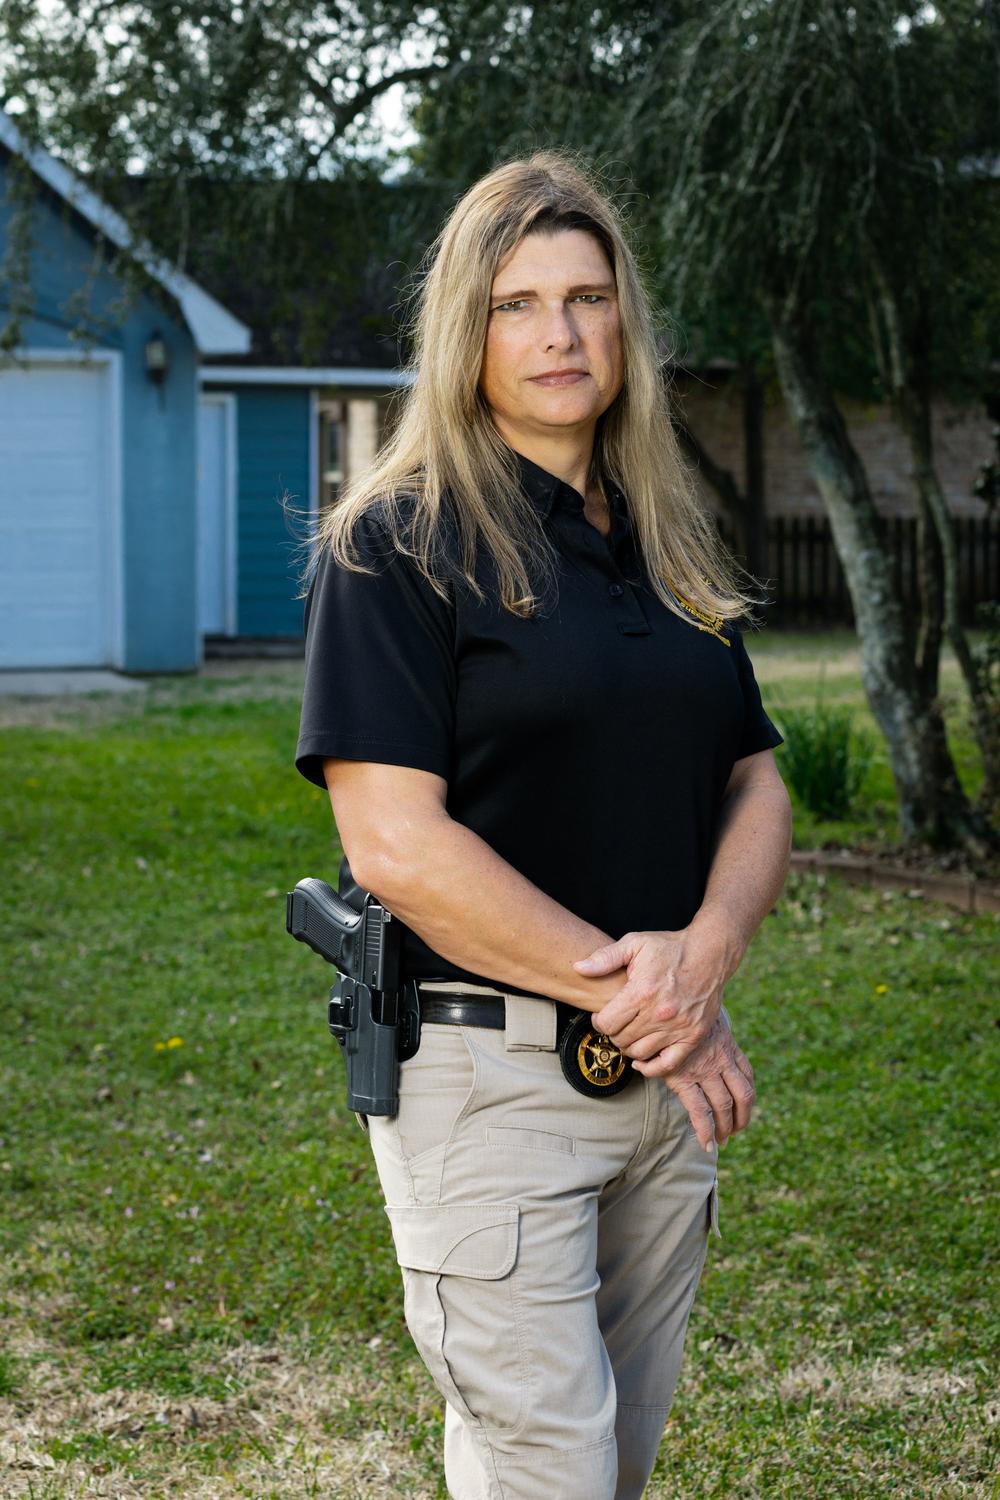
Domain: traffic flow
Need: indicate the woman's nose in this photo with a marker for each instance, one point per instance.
(558, 329)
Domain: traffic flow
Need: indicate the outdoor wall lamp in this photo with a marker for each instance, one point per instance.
(156, 358)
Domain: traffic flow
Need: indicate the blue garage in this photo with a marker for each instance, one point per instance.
(99, 445)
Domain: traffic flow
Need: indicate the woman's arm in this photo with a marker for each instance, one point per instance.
(669, 1016)
(453, 890)
(673, 996)
(752, 854)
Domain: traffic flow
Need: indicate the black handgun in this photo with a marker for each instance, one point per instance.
(374, 1016)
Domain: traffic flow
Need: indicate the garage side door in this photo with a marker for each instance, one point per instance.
(55, 563)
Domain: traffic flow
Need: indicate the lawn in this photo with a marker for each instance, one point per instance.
(197, 1287)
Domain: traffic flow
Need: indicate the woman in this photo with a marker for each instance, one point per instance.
(547, 756)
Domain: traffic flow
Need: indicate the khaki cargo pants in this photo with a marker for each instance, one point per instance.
(551, 1247)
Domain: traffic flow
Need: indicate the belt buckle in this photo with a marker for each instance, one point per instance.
(591, 1061)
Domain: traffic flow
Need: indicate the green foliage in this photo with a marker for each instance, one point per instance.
(986, 661)
(236, 140)
(766, 148)
(824, 759)
(751, 145)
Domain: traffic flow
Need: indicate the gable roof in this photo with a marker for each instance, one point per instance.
(213, 327)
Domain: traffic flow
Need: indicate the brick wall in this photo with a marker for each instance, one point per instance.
(712, 407)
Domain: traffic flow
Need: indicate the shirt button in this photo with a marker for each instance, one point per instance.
(615, 589)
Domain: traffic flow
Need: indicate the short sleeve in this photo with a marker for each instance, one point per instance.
(758, 731)
(380, 663)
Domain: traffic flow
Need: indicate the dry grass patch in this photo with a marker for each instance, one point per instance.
(280, 1432)
(296, 1427)
(876, 1382)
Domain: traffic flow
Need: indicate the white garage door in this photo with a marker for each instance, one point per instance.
(55, 515)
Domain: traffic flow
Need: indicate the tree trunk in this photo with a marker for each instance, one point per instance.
(910, 389)
(933, 806)
(930, 584)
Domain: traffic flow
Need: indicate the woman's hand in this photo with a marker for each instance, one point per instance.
(672, 997)
(715, 1084)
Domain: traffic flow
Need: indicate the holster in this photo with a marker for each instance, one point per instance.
(374, 1043)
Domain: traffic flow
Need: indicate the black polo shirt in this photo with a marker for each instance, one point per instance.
(589, 746)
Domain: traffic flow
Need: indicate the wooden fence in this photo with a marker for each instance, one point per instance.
(805, 581)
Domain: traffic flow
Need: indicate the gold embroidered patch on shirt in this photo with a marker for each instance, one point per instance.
(711, 623)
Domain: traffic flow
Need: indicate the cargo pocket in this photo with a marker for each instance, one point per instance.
(461, 1305)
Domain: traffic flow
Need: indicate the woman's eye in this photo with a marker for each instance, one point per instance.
(589, 297)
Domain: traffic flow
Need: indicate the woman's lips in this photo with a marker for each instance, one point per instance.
(569, 377)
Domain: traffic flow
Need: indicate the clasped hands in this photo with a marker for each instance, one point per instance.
(669, 1018)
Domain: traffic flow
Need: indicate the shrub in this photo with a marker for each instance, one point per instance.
(824, 758)
(986, 658)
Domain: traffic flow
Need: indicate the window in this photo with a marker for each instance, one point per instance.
(332, 450)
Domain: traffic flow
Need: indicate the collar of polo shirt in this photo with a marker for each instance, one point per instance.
(545, 489)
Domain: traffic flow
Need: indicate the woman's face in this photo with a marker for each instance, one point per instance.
(554, 307)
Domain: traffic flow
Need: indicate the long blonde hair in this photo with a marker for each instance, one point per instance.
(446, 458)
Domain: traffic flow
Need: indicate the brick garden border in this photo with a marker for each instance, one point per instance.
(964, 891)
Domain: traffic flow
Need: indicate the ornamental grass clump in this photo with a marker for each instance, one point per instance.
(824, 758)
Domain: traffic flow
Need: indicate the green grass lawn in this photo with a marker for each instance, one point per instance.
(197, 1286)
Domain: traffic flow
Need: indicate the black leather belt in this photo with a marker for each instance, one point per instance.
(479, 1010)
(590, 1060)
